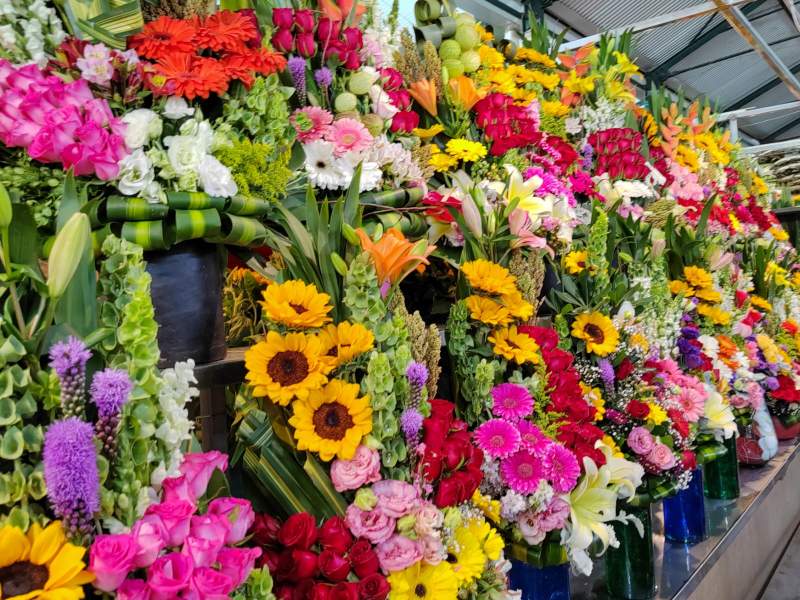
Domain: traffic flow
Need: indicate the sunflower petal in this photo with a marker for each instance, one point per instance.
(45, 544)
(14, 546)
(66, 565)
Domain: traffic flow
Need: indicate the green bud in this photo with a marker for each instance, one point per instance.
(361, 81)
(405, 525)
(339, 264)
(449, 49)
(5, 207)
(452, 518)
(345, 102)
(372, 443)
(68, 249)
(350, 234)
(373, 123)
(366, 499)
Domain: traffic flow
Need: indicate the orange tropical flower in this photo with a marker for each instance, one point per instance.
(164, 37)
(424, 92)
(339, 10)
(463, 91)
(393, 255)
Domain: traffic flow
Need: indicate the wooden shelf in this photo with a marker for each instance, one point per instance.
(228, 371)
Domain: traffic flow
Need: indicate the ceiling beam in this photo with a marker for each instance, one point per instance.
(745, 113)
(782, 129)
(715, 61)
(760, 91)
(785, 145)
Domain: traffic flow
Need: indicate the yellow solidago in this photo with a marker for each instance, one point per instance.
(466, 150)
(771, 351)
(488, 506)
(554, 108)
(657, 414)
(531, 55)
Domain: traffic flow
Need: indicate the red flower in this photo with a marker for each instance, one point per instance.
(305, 44)
(786, 390)
(332, 566)
(363, 559)
(450, 491)
(624, 369)
(227, 31)
(304, 20)
(334, 535)
(557, 360)
(328, 30)
(741, 298)
(789, 328)
(299, 531)
(404, 121)
(265, 530)
(392, 79)
(545, 337)
(374, 587)
(689, 460)
(345, 591)
(638, 410)
(432, 464)
(164, 37)
(297, 565)
(678, 422)
(190, 76)
(282, 18)
(439, 204)
(283, 40)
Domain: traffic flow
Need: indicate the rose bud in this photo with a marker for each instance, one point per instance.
(352, 60)
(363, 558)
(282, 18)
(334, 535)
(306, 47)
(328, 30)
(304, 20)
(353, 38)
(265, 530)
(283, 40)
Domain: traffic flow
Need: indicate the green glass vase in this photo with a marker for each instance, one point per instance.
(630, 568)
(721, 475)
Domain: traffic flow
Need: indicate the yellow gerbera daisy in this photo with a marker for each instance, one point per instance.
(488, 506)
(512, 345)
(466, 150)
(595, 397)
(637, 340)
(615, 450)
(283, 367)
(490, 541)
(779, 233)
(597, 331)
(332, 420)
(714, 314)
(296, 304)
(422, 581)
(708, 295)
(657, 415)
(697, 277)
(466, 556)
(517, 305)
(440, 161)
(487, 310)
(41, 564)
(761, 303)
(343, 342)
(575, 262)
(489, 277)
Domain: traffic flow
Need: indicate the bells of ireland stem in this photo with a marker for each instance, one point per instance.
(70, 244)
(5, 207)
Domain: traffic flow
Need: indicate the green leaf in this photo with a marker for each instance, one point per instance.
(70, 201)
(24, 242)
(12, 445)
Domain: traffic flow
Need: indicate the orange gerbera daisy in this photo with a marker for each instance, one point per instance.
(164, 37)
(227, 31)
(191, 76)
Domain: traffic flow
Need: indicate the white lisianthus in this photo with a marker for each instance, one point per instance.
(142, 125)
(177, 108)
(184, 154)
(135, 173)
(8, 39)
(154, 193)
(216, 178)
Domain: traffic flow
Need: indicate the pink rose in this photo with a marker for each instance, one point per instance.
(202, 551)
(176, 488)
(375, 525)
(661, 457)
(238, 512)
(237, 563)
(169, 575)
(398, 552)
(396, 498)
(133, 589)
(208, 584)
(199, 467)
(150, 538)
(641, 440)
(111, 559)
(210, 527)
(175, 516)
(363, 468)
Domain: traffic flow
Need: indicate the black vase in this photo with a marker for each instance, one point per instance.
(187, 298)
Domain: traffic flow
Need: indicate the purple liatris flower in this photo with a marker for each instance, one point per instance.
(297, 69)
(417, 374)
(68, 360)
(110, 390)
(411, 423)
(323, 77)
(606, 373)
(70, 473)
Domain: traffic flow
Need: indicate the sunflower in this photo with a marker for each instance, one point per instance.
(332, 420)
(296, 304)
(343, 342)
(575, 262)
(597, 331)
(466, 556)
(708, 295)
(422, 581)
(489, 277)
(164, 37)
(761, 303)
(714, 314)
(491, 542)
(512, 345)
(517, 305)
(697, 277)
(41, 564)
(283, 367)
(487, 311)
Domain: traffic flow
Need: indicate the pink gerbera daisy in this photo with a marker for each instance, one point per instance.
(349, 135)
(511, 401)
(692, 404)
(533, 440)
(522, 472)
(498, 438)
(561, 468)
(311, 123)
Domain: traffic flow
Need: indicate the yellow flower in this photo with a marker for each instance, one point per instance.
(491, 542)
(625, 65)
(283, 367)
(769, 348)
(597, 331)
(760, 186)
(637, 340)
(761, 303)
(422, 581)
(714, 314)
(517, 305)
(554, 108)
(657, 415)
(240, 274)
(487, 311)
(489, 507)
(708, 295)
(440, 161)
(676, 286)
(466, 556)
(697, 277)
(424, 92)
(548, 81)
(332, 420)
(343, 342)
(779, 233)
(736, 224)
(575, 262)
(512, 345)
(777, 272)
(796, 279)
(489, 277)
(580, 85)
(296, 304)
(595, 397)
(486, 36)
(490, 57)
(687, 158)
(615, 450)
(41, 564)
(428, 133)
(466, 150)
(463, 91)
(531, 55)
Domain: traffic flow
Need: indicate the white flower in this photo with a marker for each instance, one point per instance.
(135, 173)
(216, 178)
(323, 169)
(573, 125)
(629, 190)
(154, 193)
(512, 504)
(142, 125)
(382, 103)
(8, 39)
(177, 108)
(184, 154)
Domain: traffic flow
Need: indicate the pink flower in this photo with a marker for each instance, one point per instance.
(561, 468)
(199, 467)
(311, 123)
(177, 488)
(661, 457)
(498, 438)
(511, 401)
(111, 559)
(692, 404)
(202, 551)
(175, 516)
(150, 538)
(237, 563)
(348, 135)
(520, 225)
(398, 552)
(396, 498)
(534, 526)
(532, 438)
(133, 589)
(169, 576)
(375, 525)
(239, 513)
(363, 468)
(433, 551)
(641, 440)
(522, 472)
(208, 584)
(210, 526)
(428, 519)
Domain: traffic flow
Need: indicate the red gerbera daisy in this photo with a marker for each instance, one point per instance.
(191, 76)
(164, 37)
(227, 31)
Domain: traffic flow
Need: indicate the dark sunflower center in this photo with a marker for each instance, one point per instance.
(420, 591)
(22, 578)
(452, 558)
(595, 333)
(298, 308)
(332, 420)
(512, 344)
(288, 367)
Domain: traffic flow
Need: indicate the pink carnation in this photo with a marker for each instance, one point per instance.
(348, 135)
(534, 526)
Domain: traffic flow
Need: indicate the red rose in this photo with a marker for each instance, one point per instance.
(431, 465)
(352, 60)
(353, 38)
(345, 591)
(689, 460)
(544, 336)
(297, 565)
(442, 409)
(265, 530)
(434, 433)
(270, 559)
(334, 535)
(305, 44)
(363, 558)
(319, 591)
(404, 121)
(741, 298)
(456, 451)
(328, 30)
(450, 491)
(282, 18)
(332, 566)
(557, 360)
(624, 369)
(304, 19)
(283, 40)
(374, 587)
(393, 79)
(284, 592)
(678, 422)
(299, 531)
(638, 410)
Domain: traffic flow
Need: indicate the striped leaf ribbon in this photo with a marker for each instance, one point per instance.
(432, 25)
(547, 554)
(410, 224)
(653, 489)
(239, 231)
(194, 201)
(708, 448)
(107, 21)
(394, 198)
(150, 235)
(196, 224)
(247, 207)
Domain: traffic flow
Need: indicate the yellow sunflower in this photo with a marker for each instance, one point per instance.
(422, 581)
(296, 304)
(761, 303)
(283, 367)
(517, 305)
(597, 331)
(332, 420)
(714, 314)
(487, 310)
(41, 564)
(697, 277)
(466, 556)
(575, 262)
(491, 542)
(512, 345)
(489, 277)
(708, 295)
(343, 342)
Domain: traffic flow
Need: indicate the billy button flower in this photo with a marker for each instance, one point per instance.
(598, 333)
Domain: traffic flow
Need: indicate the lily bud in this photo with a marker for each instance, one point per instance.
(350, 234)
(338, 264)
(68, 249)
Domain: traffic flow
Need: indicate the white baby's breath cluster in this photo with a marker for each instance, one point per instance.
(29, 31)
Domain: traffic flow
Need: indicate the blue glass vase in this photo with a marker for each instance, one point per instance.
(685, 513)
(540, 583)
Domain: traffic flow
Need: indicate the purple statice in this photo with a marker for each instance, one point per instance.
(606, 373)
(110, 390)
(323, 77)
(70, 473)
(68, 360)
(772, 383)
(297, 69)
(411, 424)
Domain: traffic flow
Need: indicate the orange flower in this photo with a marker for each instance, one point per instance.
(339, 10)
(727, 350)
(191, 76)
(424, 92)
(227, 31)
(164, 37)
(393, 255)
(463, 91)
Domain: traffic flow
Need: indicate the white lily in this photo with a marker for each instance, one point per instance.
(719, 416)
(523, 191)
(625, 474)
(593, 503)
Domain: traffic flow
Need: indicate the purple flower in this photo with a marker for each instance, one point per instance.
(411, 424)
(297, 68)
(110, 390)
(588, 152)
(323, 77)
(69, 358)
(417, 374)
(606, 373)
(641, 440)
(771, 383)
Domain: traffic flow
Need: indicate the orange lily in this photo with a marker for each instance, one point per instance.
(463, 91)
(339, 10)
(424, 92)
(393, 255)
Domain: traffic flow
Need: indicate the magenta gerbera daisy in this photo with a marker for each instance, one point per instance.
(560, 467)
(498, 438)
(511, 401)
(522, 472)
(533, 440)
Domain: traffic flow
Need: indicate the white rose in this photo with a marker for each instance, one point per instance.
(184, 154)
(177, 108)
(135, 173)
(142, 125)
(216, 178)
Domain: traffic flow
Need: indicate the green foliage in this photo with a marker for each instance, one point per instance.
(541, 39)
(262, 114)
(36, 186)
(259, 172)
(257, 587)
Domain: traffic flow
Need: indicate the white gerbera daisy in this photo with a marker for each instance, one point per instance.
(324, 170)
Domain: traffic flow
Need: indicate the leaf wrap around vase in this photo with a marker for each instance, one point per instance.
(431, 24)
(721, 476)
(630, 568)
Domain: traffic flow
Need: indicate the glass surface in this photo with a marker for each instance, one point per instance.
(630, 568)
(721, 476)
(685, 513)
(547, 583)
